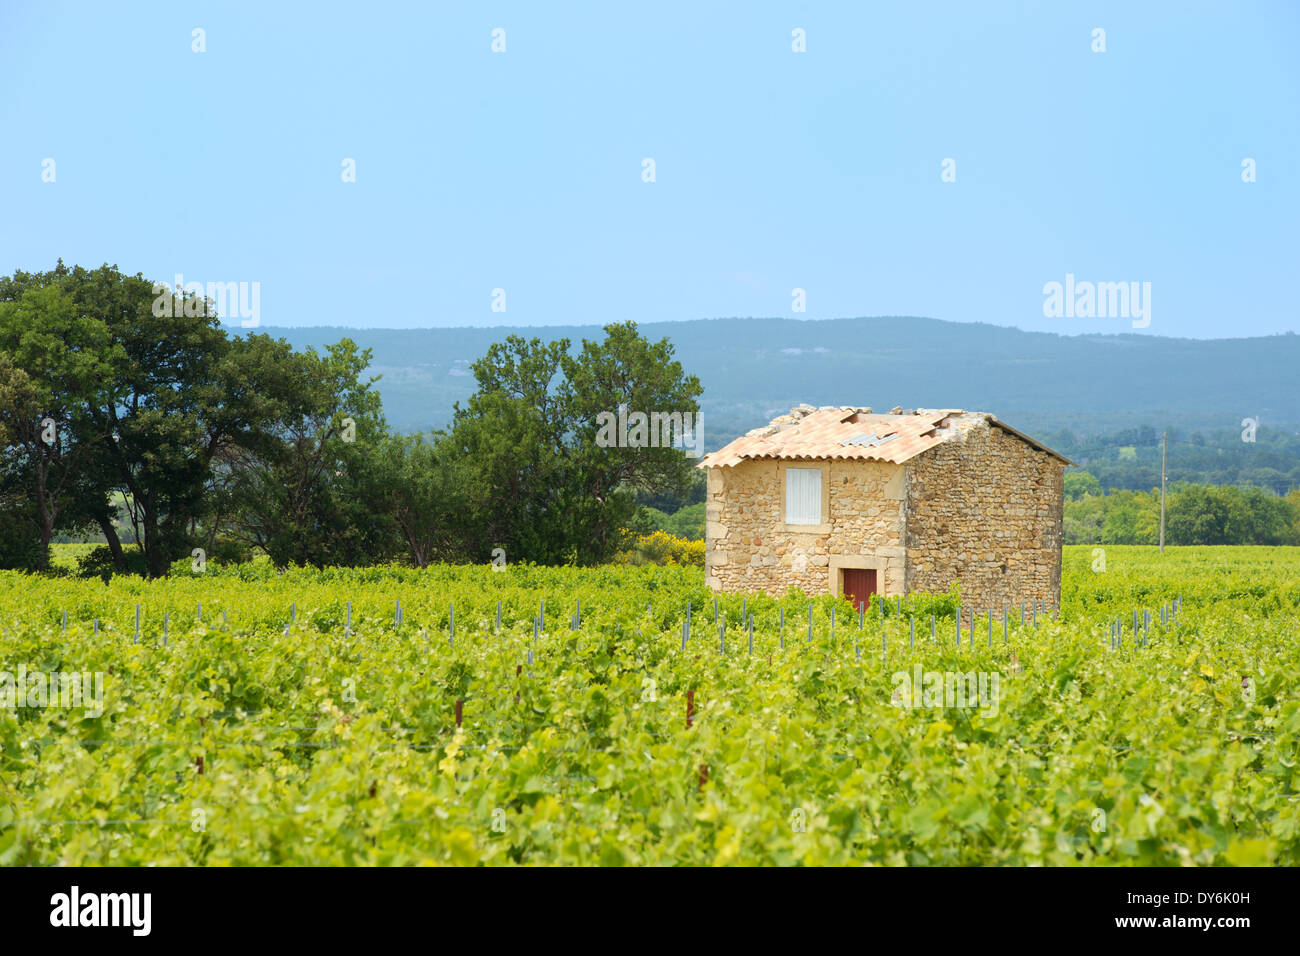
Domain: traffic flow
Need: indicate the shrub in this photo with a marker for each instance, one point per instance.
(661, 548)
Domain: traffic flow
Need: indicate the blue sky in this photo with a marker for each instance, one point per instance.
(775, 170)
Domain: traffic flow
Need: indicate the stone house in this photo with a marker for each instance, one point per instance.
(843, 501)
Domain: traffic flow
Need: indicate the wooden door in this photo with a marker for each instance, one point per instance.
(858, 585)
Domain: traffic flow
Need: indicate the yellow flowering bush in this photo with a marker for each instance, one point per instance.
(663, 548)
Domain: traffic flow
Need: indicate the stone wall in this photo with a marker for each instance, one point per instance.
(749, 547)
(985, 508)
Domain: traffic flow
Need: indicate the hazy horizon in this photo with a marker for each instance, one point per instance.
(597, 325)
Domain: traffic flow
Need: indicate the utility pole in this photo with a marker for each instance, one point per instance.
(1164, 449)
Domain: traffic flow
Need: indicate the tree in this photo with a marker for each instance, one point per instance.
(1080, 484)
(540, 483)
(148, 395)
(1209, 514)
(184, 394)
(19, 519)
(318, 490)
(56, 361)
(623, 370)
(1131, 517)
(428, 499)
(511, 452)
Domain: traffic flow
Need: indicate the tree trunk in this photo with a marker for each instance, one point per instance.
(46, 520)
(43, 549)
(155, 554)
(114, 542)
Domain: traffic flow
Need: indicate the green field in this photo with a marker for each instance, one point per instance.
(241, 742)
(65, 556)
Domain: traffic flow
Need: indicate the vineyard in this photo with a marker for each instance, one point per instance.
(529, 715)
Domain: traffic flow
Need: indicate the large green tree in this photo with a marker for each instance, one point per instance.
(56, 361)
(184, 393)
(320, 490)
(539, 483)
(428, 499)
(148, 394)
(19, 517)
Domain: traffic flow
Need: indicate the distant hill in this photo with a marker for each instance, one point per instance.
(754, 369)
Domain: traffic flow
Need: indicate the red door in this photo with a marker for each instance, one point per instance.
(859, 585)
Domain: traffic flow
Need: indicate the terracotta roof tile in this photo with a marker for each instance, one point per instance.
(848, 433)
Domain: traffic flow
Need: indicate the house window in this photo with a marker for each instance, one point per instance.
(803, 496)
